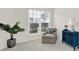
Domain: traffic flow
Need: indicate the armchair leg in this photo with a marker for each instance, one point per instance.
(62, 41)
(74, 48)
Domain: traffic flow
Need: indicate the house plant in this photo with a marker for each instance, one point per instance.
(12, 30)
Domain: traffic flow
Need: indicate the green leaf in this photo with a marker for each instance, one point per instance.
(1, 25)
(6, 27)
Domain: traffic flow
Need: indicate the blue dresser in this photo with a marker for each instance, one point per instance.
(70, 38)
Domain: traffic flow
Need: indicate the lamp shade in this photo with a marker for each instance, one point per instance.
(71, 24)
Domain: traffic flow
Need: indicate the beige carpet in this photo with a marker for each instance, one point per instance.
(36, 45)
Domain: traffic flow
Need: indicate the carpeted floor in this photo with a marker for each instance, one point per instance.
(36, 45)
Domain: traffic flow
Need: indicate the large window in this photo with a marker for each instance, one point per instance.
(38, 20)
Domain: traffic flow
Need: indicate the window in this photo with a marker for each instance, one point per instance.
(44, 26)
(38, 19)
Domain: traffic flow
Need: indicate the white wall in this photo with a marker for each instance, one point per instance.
(61, 18)
(11, 16)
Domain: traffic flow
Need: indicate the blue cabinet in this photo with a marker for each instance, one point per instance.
(70, 38)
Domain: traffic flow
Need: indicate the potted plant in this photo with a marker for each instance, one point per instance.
(12, 30)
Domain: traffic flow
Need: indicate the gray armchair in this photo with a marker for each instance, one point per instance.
(50, 36)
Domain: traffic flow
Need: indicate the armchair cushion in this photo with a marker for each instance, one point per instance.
(51, 30)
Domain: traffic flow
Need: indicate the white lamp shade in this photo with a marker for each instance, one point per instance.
(70, 22)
